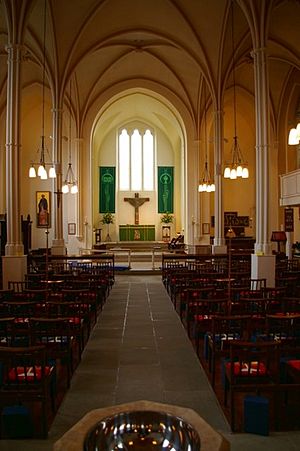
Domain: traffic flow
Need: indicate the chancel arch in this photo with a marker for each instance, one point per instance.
(136, 120)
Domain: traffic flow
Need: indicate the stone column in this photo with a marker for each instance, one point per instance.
(262, 245)
(14, 261)
(219, 246)
(58, 243)
(81, 217)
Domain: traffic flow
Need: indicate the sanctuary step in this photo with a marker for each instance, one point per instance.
(134, 246)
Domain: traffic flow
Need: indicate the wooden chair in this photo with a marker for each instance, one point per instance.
(7, 331)
(200, 316)
(17, 286)
(78, 315)
(286, 328)
(87, 296)
(55, 334)
(27, 378)
(252, 367)
(224, 329)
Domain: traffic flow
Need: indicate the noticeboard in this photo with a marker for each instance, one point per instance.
(289, 219)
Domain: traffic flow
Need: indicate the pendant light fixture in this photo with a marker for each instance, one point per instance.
(294, 133)
(206, 183)
(42, 150)
(70, 183)
(237, 167)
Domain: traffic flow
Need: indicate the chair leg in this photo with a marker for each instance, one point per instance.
(44, 419)
(232, 412)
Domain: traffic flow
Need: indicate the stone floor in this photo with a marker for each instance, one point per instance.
(138, 350)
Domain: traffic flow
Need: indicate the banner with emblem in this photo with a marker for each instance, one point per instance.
(107, 186)
(165, 189)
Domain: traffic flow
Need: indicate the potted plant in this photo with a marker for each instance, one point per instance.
(166, 218)
(107, 218)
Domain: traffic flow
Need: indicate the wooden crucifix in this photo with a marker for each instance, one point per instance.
(136, 202)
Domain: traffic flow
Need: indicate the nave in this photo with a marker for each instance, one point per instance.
(139, 350)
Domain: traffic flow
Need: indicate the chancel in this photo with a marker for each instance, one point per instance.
(136, 202)
(140, 98)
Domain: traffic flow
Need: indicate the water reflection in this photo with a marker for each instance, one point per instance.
(142, 430)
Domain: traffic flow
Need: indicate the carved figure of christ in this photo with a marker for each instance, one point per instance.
(136, 202)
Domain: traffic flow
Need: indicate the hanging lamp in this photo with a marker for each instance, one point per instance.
(206, 183)
(237, 167)
(70, 183)
(42, 150)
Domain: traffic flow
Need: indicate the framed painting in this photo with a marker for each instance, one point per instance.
(43, 209)
(71, 228)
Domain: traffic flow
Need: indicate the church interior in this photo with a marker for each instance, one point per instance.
(149, 185)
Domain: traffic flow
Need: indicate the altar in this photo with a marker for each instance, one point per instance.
(137, 232)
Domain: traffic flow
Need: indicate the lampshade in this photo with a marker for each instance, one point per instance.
(206, 184)
(237, 167)
(227, 172)
(294, 135)
(32, 172)
(70, 184)
(42, 150)
(278, 236)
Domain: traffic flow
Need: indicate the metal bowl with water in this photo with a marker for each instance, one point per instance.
(142, 430)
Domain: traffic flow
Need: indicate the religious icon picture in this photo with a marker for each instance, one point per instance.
(71, 228)
(43, 209)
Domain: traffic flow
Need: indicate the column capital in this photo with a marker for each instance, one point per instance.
(15, 52)
(219, 112)
(57, 110)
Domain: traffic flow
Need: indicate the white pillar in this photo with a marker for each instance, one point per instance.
(14, 249)
(81, 217)
(263, 262)
(262, 244)
(58, 243)
(219, 246)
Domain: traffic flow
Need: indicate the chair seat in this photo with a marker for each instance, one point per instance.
(247, 369)
(295, 364)
(30, 374)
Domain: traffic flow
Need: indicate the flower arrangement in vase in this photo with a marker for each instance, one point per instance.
(107, 218)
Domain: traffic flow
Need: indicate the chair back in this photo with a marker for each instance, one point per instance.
(253, 362)
(24, 368)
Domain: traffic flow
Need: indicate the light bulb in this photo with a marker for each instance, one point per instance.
(32, 173)
(293, 137)
(233, 174)
(74, 189)
(65, 188)
(44, 174)
(40, 170)
(239, 171)
(227, 173)
(52, 173)
(245, 173)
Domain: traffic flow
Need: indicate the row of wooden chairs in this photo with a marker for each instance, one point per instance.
(248, 332)
(43, 331)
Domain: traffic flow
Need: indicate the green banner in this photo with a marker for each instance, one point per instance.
(165, 189)
(107, 186)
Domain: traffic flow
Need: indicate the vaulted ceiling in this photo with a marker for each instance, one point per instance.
(165, 45)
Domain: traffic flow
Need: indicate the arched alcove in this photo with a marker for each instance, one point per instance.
(141, 110)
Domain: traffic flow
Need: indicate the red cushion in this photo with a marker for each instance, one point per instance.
(75, 320)
(294, 364)
(201, 317)
(18, 373)
(242, 369)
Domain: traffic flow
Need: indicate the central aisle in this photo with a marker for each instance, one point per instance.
(138, 350)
